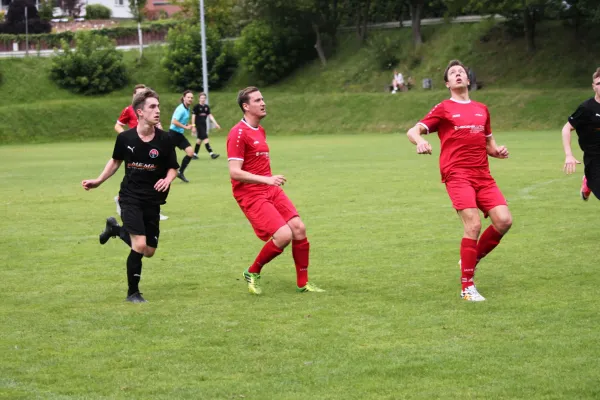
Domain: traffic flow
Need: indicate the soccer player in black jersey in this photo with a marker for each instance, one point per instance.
(200, 112)
(586, 122)
(150, 167)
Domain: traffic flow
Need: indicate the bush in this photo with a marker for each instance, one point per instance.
(97, 11)
(270, 53)
(385, 51)
(94, 67)
(46, 10)
(183, 58)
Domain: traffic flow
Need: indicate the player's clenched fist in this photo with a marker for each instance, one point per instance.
(424, 148)
(276, 180)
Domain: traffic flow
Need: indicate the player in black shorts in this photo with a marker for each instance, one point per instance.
(150, 167)
(200, 112)
(586, 121)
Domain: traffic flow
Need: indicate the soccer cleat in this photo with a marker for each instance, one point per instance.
(163, 217)
(471, 294)
(195, 156)
(253, 282)
(585, 190)
(111, 223)
(181, 176)
(309, 287)
(118, 206)
(214, 156)
(136, 298)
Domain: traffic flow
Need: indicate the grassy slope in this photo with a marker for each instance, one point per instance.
(523, 92)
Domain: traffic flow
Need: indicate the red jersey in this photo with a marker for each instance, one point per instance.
(128, 117)
(462, 128)
(249, 144)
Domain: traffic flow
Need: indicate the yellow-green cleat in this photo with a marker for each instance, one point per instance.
(309, 287)
(253, 281)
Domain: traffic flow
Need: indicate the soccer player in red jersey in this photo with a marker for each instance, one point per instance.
(258, 193)
(465, 133)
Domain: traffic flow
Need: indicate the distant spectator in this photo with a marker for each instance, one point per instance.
(398, 82)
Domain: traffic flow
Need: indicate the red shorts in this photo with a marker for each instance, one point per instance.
(474, 192)
(267, 211)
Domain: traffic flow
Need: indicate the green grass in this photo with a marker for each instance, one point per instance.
(384, 244)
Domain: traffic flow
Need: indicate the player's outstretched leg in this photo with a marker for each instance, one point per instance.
(252, 274)
(585, 190)
(110, 230)
(134, 274)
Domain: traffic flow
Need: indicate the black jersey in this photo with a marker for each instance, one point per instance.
(201, 112)
(145, 164)
(586, 121)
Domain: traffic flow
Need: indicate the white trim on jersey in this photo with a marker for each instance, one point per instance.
(248, 125)
(120, 123)
(423, 125)
(235, 158)
(460, 101)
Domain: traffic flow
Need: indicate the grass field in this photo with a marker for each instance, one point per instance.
(384, 246)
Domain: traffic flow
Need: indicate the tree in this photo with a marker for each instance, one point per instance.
(136, 7)
(416, 14)
(15, 19)
(71, 7)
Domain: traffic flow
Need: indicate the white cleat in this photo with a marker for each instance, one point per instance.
(163, 217)
(118, 206)
(471, 294)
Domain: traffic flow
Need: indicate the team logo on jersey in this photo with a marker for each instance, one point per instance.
(153, 153)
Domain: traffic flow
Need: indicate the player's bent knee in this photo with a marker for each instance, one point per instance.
(149, 251)
(283, 236)
(298, 228)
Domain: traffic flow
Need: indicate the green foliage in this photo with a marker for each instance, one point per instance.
(385, 50)
(183, 58)
(269, 52)
(94, 67)
(46, 10)
(97, 11)
(225, 16)
(136, 7)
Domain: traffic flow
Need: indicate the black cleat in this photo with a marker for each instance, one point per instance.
(136, 298)
(111, 223)
(195, 157)
(214, 156)
(181, 176)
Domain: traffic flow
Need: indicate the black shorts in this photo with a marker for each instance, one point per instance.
(202, 133)
(179, 140)
(141, 220)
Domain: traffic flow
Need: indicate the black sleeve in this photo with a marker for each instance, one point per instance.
(207, 109)
(172, 160)
(119, 150)
(196, 109)
(578, 117)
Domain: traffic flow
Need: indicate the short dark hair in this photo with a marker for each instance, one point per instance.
(596, 74)
(244, 95)
(139, 100)
(138, 86)
(184, 93)
(451, 64)
(201, 94)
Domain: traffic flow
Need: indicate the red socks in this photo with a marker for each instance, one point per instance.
(488, 242)
(300, 250)
(468, 260)
(268, 252)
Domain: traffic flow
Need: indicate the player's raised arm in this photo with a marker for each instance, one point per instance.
(414, 135)
(570, 161)
(109, 170)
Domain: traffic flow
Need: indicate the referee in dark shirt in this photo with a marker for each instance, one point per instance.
(586, 122)
(150, 167)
